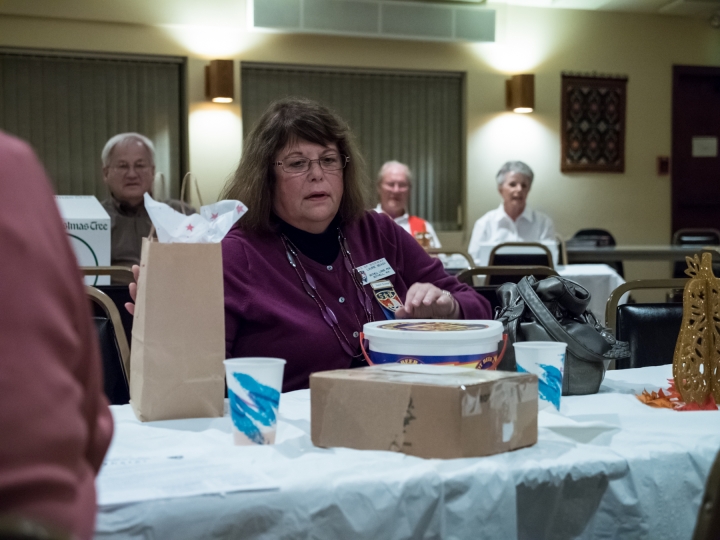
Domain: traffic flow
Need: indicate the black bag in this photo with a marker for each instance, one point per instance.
(555, 309)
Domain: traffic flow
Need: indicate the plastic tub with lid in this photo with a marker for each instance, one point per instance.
(468, 343)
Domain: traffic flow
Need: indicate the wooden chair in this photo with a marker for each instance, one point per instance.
(114, 348)
(708, 523)
(466, 276)
(650, 329)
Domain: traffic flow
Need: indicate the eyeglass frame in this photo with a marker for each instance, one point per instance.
(311, 161)
(125, 168)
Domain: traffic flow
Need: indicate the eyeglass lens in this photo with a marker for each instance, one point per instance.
(331, 162)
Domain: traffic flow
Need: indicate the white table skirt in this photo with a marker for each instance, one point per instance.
(599, 279)
(607, 467)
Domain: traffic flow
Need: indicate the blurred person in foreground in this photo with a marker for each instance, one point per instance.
(129, 172)
(54, 418)
(512, 221)
(293, 264)
(393, 185)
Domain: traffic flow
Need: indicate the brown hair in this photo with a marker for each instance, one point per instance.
(285, 121)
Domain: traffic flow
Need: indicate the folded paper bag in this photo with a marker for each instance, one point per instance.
(178, 338)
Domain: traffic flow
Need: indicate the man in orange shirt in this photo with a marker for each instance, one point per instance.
(394, 181)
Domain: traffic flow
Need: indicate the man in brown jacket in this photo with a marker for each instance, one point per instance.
(129, 171)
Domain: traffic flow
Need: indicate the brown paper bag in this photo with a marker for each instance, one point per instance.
(178, 337)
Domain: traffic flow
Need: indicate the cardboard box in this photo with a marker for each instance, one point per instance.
(88, 228)
(423, 410)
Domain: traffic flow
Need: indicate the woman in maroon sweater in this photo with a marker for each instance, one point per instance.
(291, 288)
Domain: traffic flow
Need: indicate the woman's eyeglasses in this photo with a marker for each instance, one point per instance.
(330, 162)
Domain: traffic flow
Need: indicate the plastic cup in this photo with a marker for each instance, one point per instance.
(546, 359)
(254, 386)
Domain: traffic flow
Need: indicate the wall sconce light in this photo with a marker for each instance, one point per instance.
(520, 93)
(219, 81)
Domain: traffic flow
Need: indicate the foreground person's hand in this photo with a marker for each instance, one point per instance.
(130, 306)
(426, 301)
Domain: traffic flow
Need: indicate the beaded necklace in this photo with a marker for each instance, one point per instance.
(308, 283)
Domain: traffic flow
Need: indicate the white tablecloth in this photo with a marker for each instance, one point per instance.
(607, 467)
(599, 279)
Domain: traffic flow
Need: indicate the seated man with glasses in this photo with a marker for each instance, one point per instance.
(129, 171)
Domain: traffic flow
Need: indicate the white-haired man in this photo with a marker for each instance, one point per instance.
(394, 182)
(512, 221)
(128, 172)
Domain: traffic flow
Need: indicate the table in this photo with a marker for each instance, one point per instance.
(599, 279)
(590, 254)
(607, 467)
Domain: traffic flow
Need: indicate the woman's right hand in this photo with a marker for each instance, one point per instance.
(130, 306)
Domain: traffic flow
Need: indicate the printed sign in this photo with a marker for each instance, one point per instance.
(704, 147)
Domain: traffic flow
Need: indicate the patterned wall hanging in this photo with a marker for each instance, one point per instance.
(593, 122)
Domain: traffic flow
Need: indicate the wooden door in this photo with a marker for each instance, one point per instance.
(695, 147)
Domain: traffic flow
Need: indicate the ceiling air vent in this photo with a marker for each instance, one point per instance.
(376, 18)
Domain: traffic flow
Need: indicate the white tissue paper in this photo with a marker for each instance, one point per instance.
(209, 226)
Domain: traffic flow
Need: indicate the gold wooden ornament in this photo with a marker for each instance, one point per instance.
(696, 362)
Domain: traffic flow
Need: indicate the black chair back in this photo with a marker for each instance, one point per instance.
(514, 260)
(113, 347)
(694, 237)
(115, 383)
(598, 238)
(120, 295)
(504, 274)
(651, 330)
(601, 237)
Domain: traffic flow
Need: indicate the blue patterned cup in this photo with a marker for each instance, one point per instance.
(546, 359)
(254, 386)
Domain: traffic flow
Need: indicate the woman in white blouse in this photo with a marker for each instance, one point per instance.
(512, 221)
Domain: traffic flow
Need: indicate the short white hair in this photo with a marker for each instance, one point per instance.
(388, 164)
(121, 138)
(513, 167)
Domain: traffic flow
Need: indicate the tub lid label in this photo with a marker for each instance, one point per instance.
(439, 326)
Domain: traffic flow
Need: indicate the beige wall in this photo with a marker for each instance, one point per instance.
(635, 205)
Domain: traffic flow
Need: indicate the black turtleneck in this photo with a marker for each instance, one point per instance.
(322, 248)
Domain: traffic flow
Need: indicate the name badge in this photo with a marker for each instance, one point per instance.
(375, 270)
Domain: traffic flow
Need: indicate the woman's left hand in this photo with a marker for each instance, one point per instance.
(426, 301)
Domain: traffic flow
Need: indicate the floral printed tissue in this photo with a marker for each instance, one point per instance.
(209, 226)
